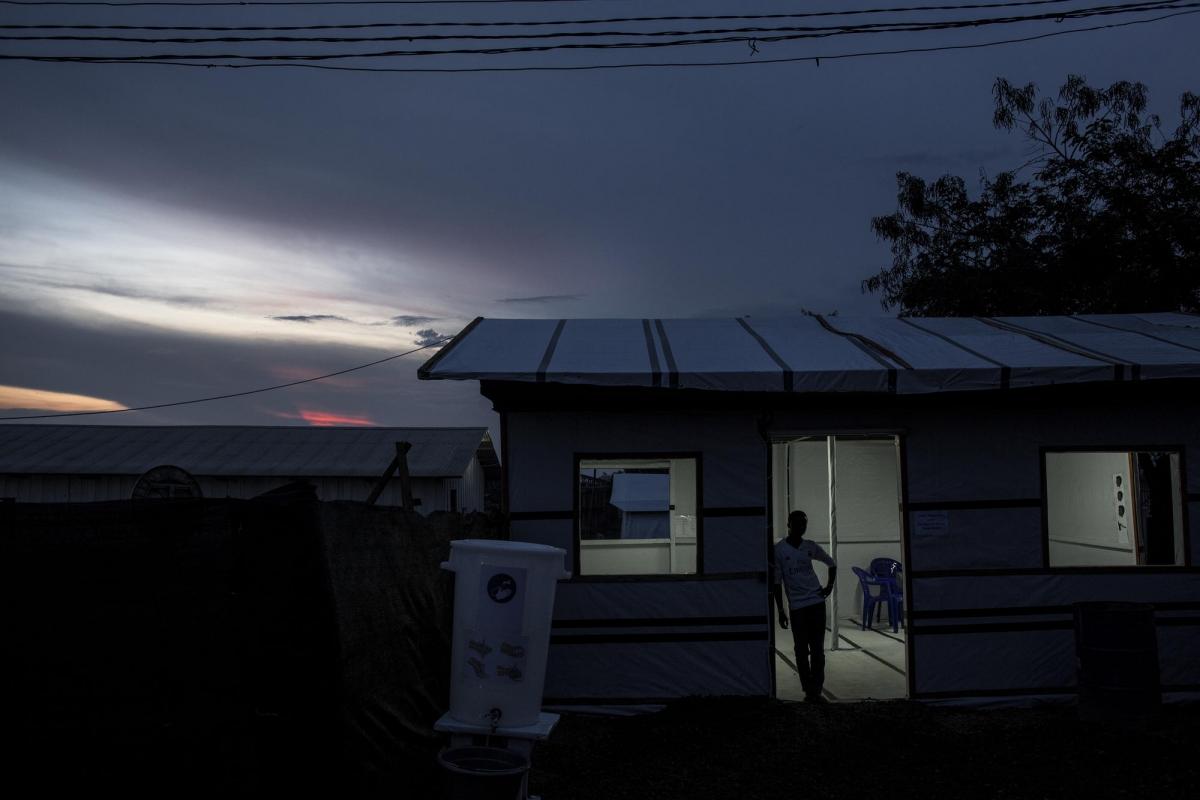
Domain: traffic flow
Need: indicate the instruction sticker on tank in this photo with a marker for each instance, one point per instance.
(495, 647)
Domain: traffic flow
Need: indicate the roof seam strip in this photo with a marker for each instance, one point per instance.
(1065, 345)
(788, 377)
(1005, 370)
(673, 374)
(1140, 333)
(853, 340)
(865, 344)
(550, 348)
(655, 372)
(1055, 337)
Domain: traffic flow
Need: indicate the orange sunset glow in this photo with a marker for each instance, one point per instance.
(41, 400)
(326, 419)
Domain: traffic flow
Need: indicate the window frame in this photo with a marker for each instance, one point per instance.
(1185, 527)
(657, 455)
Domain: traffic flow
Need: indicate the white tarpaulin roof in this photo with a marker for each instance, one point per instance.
(908, 355)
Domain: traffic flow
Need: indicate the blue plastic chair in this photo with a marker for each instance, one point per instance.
(872, 601)
(891, 572)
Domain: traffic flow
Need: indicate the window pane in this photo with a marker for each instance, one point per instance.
(1113, 509)
(637, 517)
(624, 503)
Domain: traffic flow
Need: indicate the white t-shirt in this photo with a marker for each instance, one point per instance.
(794, 569)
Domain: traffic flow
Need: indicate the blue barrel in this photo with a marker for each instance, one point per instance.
(1117, 650)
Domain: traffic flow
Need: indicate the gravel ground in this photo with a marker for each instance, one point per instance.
(758, 748)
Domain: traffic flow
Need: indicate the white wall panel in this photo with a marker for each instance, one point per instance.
(735, 544)
(653, 669)
(552, 532)
(1008, 660)
(662, 598)
(982, 538)
(1179, 654)
(992, 591)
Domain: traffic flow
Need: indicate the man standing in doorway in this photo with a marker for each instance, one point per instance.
(806, 601)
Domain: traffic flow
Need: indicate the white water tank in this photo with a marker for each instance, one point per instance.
(503, 605)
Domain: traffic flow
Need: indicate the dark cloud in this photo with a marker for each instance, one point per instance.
(141, 294)
(410, 321)
(542, 298)
(113, 289)
(428, 337)
(308, 318)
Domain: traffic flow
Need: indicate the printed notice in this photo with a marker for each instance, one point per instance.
(931, 523)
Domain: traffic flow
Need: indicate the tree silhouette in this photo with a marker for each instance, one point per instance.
(1109, 221)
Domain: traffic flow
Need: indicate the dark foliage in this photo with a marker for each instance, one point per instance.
(1109, 221)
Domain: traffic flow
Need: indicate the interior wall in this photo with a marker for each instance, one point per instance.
(868, 512)
(808, 487)
(868, 505)
(1082, 509)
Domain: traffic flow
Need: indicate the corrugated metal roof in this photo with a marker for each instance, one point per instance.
(292, 451)
(907, 355)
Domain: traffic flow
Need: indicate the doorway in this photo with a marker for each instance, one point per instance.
(849, 485)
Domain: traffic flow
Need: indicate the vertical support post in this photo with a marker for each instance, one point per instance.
(406, 498)
(831, 450)
(398, 466)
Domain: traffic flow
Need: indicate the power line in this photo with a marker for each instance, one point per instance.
(902, 27)
(294, 3)
(543, 22)
(233, 394)
(643, 65)
(833, 30)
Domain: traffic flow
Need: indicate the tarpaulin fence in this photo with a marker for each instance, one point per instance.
(233, 646)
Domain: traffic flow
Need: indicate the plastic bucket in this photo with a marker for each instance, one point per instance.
(483, 773)
(503, 605)
(1117, 649)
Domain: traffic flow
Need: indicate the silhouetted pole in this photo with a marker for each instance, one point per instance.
(406, 498)
(399, 465)
(831, 453)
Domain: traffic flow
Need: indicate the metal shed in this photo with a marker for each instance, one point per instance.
(450, 468)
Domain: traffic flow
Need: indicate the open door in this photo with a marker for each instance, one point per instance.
(850, 488)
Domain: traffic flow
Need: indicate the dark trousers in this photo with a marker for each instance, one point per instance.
(808, 633)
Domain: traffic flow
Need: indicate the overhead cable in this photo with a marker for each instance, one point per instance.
(755, 40)
(815, 59)
(818, 31)
(134, 3)
(541, 22)
(441, 341)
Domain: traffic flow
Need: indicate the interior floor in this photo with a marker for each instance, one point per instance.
(867, 664)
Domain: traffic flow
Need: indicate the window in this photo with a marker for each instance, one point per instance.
(637, 516)
(1118, 508)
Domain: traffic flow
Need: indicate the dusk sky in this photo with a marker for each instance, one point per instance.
(170, 232)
